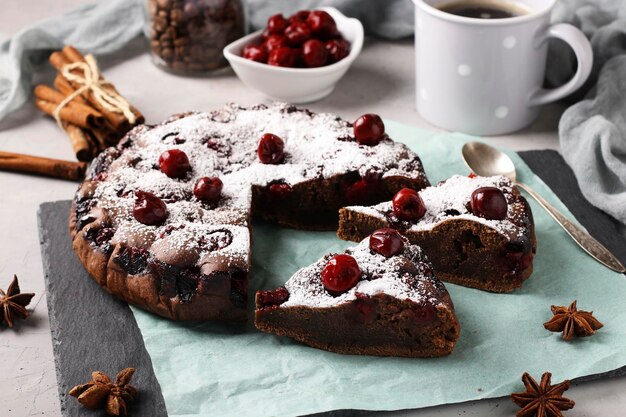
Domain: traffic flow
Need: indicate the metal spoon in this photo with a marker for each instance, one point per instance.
(486, 161)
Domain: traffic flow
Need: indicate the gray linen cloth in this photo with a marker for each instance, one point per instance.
(99, 28)
(592, 131)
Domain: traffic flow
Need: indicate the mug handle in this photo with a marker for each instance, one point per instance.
(584, 55)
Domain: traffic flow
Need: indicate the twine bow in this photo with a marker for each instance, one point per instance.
(90, 81)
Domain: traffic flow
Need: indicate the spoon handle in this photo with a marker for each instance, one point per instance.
(584, 239)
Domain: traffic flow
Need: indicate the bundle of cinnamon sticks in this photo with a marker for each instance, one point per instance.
(89, 121)
(86, 106)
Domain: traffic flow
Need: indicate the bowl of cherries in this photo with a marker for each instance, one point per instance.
(300, 58)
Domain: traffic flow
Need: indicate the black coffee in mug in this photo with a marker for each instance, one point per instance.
(483, 9)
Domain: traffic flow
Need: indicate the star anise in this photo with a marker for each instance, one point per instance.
(13, 303)
(101, 392)
(542, 400)
(572, 322)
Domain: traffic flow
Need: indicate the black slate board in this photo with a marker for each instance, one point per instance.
(93, 331)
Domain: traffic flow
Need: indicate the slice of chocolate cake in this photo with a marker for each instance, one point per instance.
(477, 231)
(378, 298)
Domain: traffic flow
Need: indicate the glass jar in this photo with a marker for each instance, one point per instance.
(187, 36)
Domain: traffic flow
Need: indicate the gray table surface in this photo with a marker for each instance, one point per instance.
(381, 81)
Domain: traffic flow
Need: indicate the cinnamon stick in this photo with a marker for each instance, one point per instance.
(64, 87)
(80, 142)
(73, 112)
(56, 168)
(58, 60)
(102, 137)
(106, 136)
(119, 121)
(67, 113)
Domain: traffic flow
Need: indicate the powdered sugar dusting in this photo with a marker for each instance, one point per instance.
(404, 276)
(223, 143)
(449, 200)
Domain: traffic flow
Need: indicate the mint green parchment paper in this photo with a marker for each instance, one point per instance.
(208, 369)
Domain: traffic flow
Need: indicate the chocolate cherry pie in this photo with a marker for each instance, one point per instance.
(378, 298)
(477, 231)
(162, 220)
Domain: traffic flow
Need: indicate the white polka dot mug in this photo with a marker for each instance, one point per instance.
(484, 76)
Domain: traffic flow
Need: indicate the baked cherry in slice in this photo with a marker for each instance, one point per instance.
(271, 149)
(388, 242)
(255, 53)
(424, 313)
(408, 205)
(368, 190)
(149, 209)
(174, 163)
(279, 190)
(340, 274)
(283, 57)
(322, 24)
(314, 53)
(358, 193)
(277, 24)
(297, 33)
(369, 129)
(518, 261)
(363, 309)
(208, 189)
(489, 203)
(273, 297)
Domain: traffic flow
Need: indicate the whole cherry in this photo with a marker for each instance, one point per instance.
(387, 242)
(408, 205)
(277, 24)
(337, 49)
(314, 54)
(274, 42)
(489, 203)
(208, 189)
(174, 163)
(369, 129)
(299, 16)
(297, 33)
(149, 209)
(283, 57)
(255, 53)
(271, 149)
(340, 274)
(321, 24)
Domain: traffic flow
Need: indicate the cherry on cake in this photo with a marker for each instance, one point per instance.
(380, 298)
(162, 220)
(477, 231)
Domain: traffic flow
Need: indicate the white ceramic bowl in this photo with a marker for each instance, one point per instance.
(296, 85)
